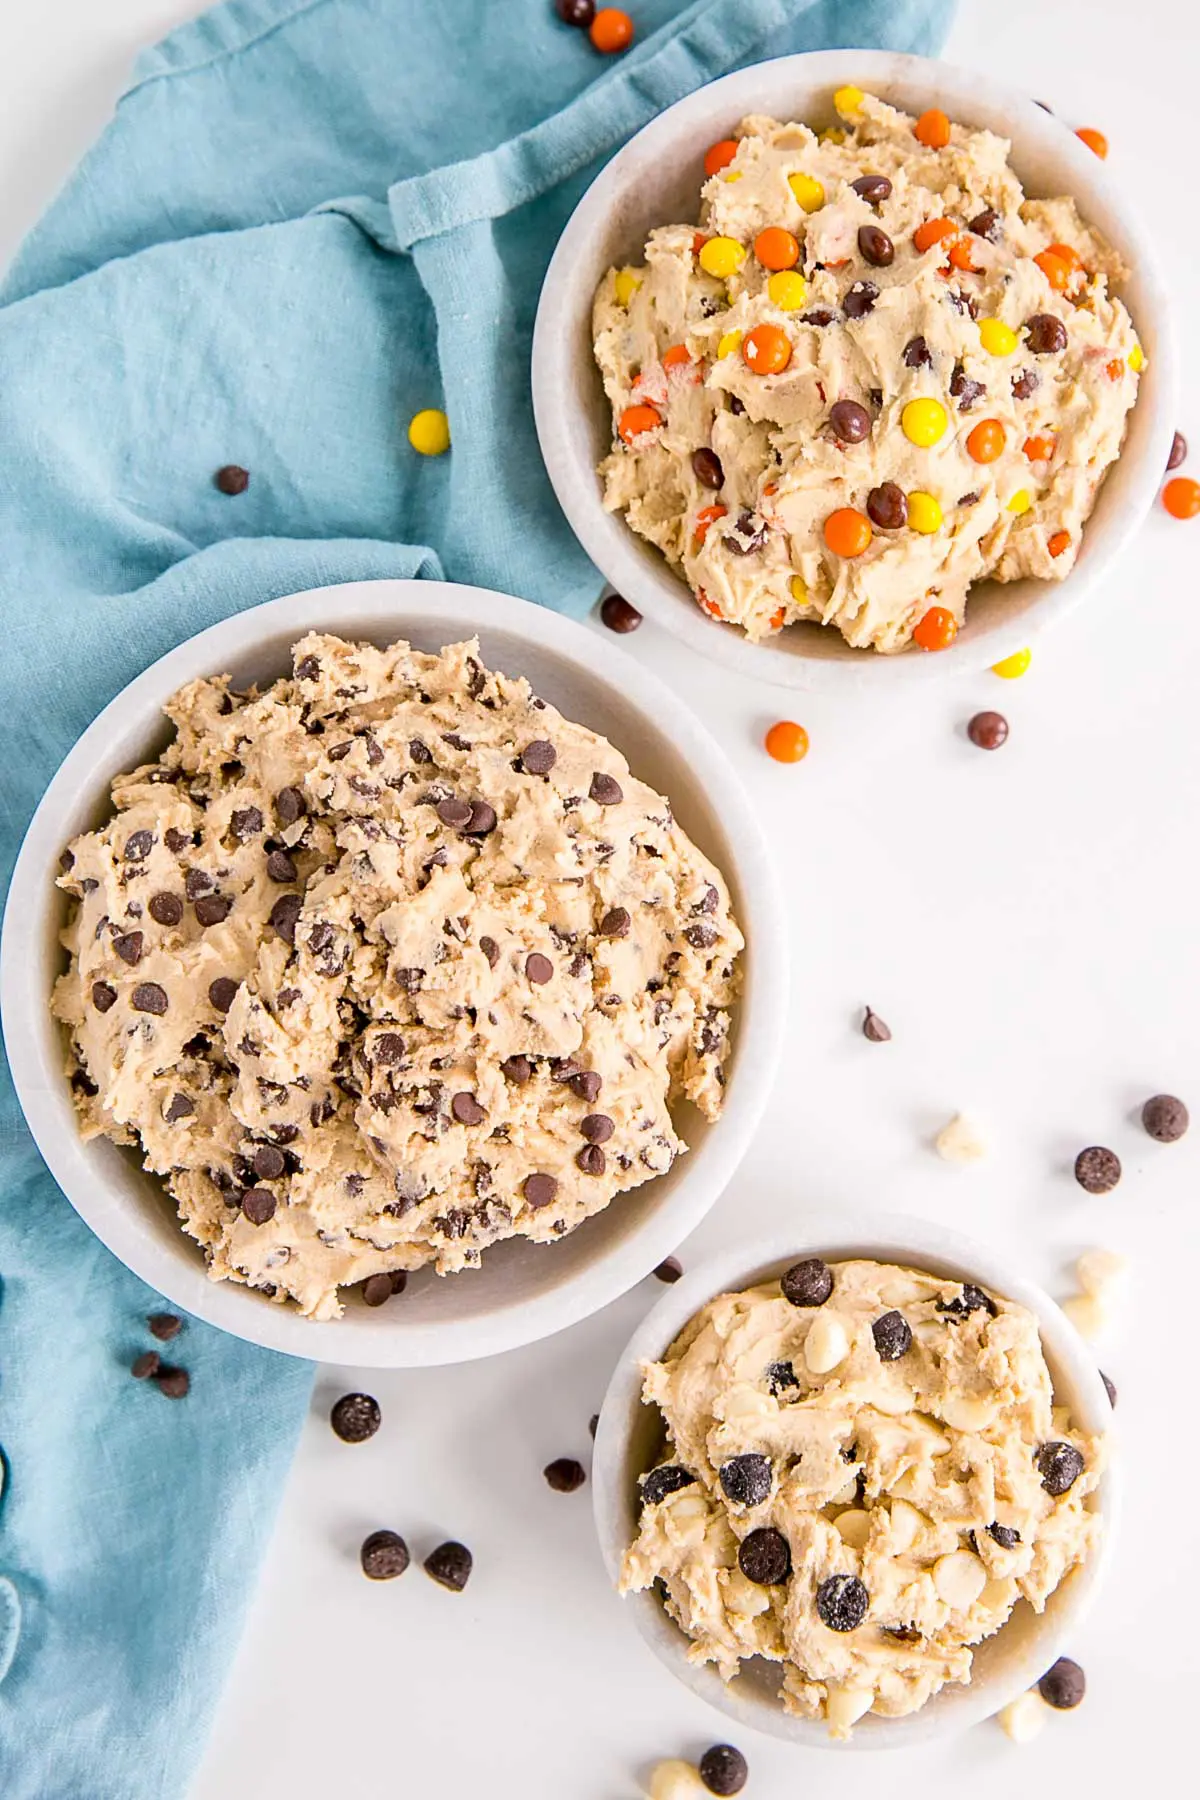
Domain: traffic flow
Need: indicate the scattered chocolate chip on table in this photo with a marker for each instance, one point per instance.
(1097, 1170)
(145, 1365)
(670, 1269)
(384, 1555)
(619, 614)
(232, 479)
(1063, 1685)
(450, 1565)
(565, 1475)
(874, 1029)
(723, 1769)
(174, 1383)
(355, 1418)
(1165, 1118)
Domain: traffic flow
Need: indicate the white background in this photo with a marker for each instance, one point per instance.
(1027, 923)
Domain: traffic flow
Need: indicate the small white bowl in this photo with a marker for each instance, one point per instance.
(655, 180)
(523, 1291)
(630, 1434)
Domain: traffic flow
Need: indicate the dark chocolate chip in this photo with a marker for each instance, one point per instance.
(988, 730)
(605, 790)
(807, 1283)
(706, 467)
(765, 1557)
(539, 757)
(128, 947)
(232, 479)
(591, 1160)
(842, 1602)
(212, 909)
(1165, 1118)
(565, 1475)
(615, 923)
(138, 846)
(482, 820)
(384, 1555)
(145, 1365)
(875, 189)
(597, 1128)
(196, 882)
(246, 822)
(516, 1069)
(1046, 334)
(467, 1110)
(917, 354)
(539, 1191)
(377, 1289)
(165, 909)
(179, 1107)
(585, 1084)
(820, 316)
(874, 1029)
(1179, 450)
(986, 224)
(964, 390)
(723, 1769)
(174, 1383)
(1097, 1170)
(454, 812)
(280, 866)
(860, 299)
(290, 805)
(149, 997)
(780, 1376)
(388, 1049)
(893, 1336)
(887, 506)
(701, 937)
(164, 1326)
(668, 1478)
(491, 950)
(617, 613)
(176, 840)
(355, 1418)
(268, 1162)
(284, 916)
(222, 992)
(450, 1566)
(746, 1479)
(538, 968)
(307, 669)
(1059, 1465)
(258, 1204)
(669, 1269)
(1110, 1388)
(592, 1424)
(1063, 1685)
(103, 996)
(875, 246)
(851, 422)
(970, 1299)
(1005, 1536)
(1026, 384)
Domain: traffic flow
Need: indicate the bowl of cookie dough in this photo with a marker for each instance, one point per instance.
(374, 1022)
(794, 1461)
(835, 424)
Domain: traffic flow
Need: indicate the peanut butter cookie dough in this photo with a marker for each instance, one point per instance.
(875, 374)
(386, 963)
(865, 1470)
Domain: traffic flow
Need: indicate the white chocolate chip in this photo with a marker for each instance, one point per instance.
(907, 1524)
(853, 1527)
(826, 1344)
(844, 1706)
(959, 1578)
(847, 1494)
(675, 1780)
(746, 1402)
(1101, 1273)
(1023, 1718)
(966, 1414)
(960, 1141)
(746, 1597)
(1086, 1314)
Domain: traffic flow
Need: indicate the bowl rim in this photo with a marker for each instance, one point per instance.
(638, 571)
(385, 610)
(840, 1236)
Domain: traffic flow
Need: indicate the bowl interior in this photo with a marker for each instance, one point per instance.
(655, 180)
(440, 1319)
(631, 1434)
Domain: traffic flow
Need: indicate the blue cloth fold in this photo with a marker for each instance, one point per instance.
(309, 219)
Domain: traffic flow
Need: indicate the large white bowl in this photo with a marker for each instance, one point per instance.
(655, 180)
(630, 1434)
(523, 1291)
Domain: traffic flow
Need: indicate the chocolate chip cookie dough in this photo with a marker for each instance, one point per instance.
(386, 963)
(865, 1470)
(875, 374)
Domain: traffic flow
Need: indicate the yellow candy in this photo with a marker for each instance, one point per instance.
(1020, 502)
(722, 256)
(923, 422)
(736, 176)
(807, 192)
(848, 100)
(787, 290)
(429, 432)
(924, 513)
(1013, 665)
(731, 341)
(798, 591)
(832, 134)
(626, 285)
(997, 338)
(1137, 359)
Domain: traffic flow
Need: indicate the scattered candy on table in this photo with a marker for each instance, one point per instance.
(232, 479)
(1179, 450)
(1064, 1685)
(619, 614)
(1095, 140)
(1011, 668)
(565, 1475)
(576, 12)
(723, 1769)
(1165, 1118)
(874, 1029)
(936, 629)
(1097, 1169)
(988, 730)
(787, 742)
(669, 1269)
(1181, 497)
(611, 30)
(960, 1141)
(429, 432)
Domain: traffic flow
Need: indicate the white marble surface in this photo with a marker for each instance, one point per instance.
(1026, 922)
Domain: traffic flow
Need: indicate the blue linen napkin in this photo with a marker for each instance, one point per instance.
(309, 219)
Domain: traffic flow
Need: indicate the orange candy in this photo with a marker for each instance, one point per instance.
(777, 618)
(636, 419)
(1057, 542)
(1039, 449)
(1114, 369)
(933, 129)
(932, 232)
(611, 30)
(719, 156)
(847, 532)
(986, 442)
(960, 257)
(787, 742)
(698, 242)
(708, 515)
(708, 606)
(776, 248)
(767, 350)
(936, 629)
(1066, 253)
(676, 357)
(1056, 269)
(1181, 497)
(1095, 140)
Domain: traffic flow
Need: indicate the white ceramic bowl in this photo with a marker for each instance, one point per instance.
(630, 1434)
(523, 1291)
(654, 180)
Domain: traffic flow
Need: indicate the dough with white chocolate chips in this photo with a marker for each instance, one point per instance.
(386, 963)
(745, 527)
(923, 1458)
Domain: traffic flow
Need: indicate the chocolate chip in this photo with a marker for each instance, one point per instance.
(176, 840)
(128, 947)
(916, 354)
(842, 1602)
(1047, 335)
(723, 1769)
(874, 188)
(592, 1424)
(1063, 1685)
(103, 996)
(887, 506)
(377, 1289)
(875, 246)
(454, 812)
(144, 1365)
(383, 1556)
(1165, 1118)
(388, 1049)
(807, 1283)
(258, 1204)
(290, 805)
(467, 1110)
(232, 479)
(307, 669)
(482, 820)
(670, 1268)
(164, 1326)
(1060, 1466)
(138, 846)
(1110, 1388)
(591, 1160)
(284, 916)
(597, 1128)
(746, 1479)
(765, 1557)
(1179, 450)
(1097, 1170)
(617, 613)
(355, 1418)
(179, 1107)
(1026, 384)
(860, 299)
(491, 951)
(166, 909)
(893, 1336)
(149, 997)
(706, 467)
(874, 1029)
(988, 730)
(196, 882)
(615, 923)
(280, 866)
(969, 1299)
(605, 790)
(964, 390)
(539, 1191)
(851, 422)
(268, 1162)
(986, 224)
(222, 992)
(780, 1376)
(1005, 1536)
(212, 909)
(450, 1565)
(820, 316)
(539, 757)
(247, 822)
(516, 1069)
(701, 937)
(538, 968)
(564, 1475)
(668, 1478)
(174, 1383)
(586, 1084)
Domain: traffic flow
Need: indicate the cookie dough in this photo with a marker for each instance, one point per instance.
(821, 258)
(859, 1483)
(386, 963)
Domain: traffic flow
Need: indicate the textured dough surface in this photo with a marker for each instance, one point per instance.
(890, 1471)
(784, 469)
(375, 957)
